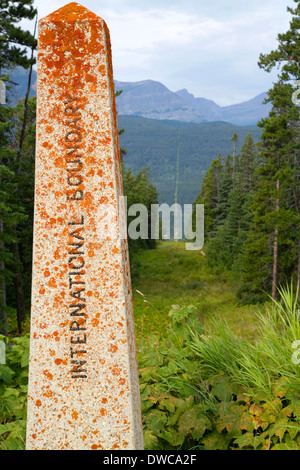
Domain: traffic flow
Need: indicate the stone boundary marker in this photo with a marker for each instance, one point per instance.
(83, 378)
(2, 92)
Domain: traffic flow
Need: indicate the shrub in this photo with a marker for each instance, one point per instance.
(215, 391)
(200, 389)
(13, 394)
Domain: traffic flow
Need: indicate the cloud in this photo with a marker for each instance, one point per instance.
(156, 29)
(213, 57)
(210, 48)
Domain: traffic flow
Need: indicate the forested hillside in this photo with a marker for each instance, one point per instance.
(252, 198)
(217, 329)
(151, 99)
(177, 153)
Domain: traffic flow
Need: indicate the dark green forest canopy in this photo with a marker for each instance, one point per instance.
(14, 41)
(156, 145)
(255, 231)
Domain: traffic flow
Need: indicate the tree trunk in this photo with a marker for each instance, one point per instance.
(275, 251)
(18, 282)
(24, 123)
(3, 314)
(19, 291)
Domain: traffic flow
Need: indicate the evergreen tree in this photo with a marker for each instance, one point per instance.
(227, 199)
(139, 190)
(248, 163)
(210, 194)
(234, 140)
(13, 39)
(10, 212)
(226, 185)
(14, 43)
(272, 254)
(227, 245)
(23, 168)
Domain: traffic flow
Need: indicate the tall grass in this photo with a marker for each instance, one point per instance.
(260, 364)
(170, 275)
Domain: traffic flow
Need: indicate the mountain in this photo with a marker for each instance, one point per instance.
(177, 154)
(19, 78)
(177, 150)
(246, 113)
(153, 100)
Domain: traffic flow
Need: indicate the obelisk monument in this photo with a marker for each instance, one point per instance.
(83, 377)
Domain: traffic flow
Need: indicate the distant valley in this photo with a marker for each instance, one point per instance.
(178, 154)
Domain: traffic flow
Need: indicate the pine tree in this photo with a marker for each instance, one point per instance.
(234, 140)
(13, 39)
(210, 194)
(10, 212)
(248, 163)
(14, 43)
(226, 186)
(139, 190)
(272, 254)
(232, 222)
(23, 167)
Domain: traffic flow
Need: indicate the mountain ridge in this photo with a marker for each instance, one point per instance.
(153, 100)
(177, 153)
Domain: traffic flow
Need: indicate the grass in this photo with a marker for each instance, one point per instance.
(256, 364)
(229, 381)
(171, 275)
(248, 390)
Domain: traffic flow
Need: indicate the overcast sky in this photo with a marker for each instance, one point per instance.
(209, 47)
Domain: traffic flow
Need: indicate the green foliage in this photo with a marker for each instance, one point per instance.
(14, 40)
(173, 416)
(210, 195)
(13, 394)
(154, 144)
(13, 208)
(16, 203)
(139, 190)
(23, 167)
(171, 275)
(272, 251)
(11, 211)
(201, 387)
(211, 390)
(253, 230)
(227, 193)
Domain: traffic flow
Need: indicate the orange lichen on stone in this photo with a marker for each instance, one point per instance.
(48, 375)
(75, 415)
(82, 350)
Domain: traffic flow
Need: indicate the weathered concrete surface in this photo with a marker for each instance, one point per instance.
(83, 383)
